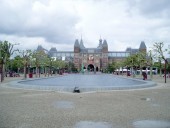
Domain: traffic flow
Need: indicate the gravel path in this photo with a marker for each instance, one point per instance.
(145, 108)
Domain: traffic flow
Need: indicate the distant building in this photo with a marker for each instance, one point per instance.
(92, 58)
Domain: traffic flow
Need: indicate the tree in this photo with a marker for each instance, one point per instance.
(17, 64)
(158, 49)
(159, 53)
(120, 64)
(112, 67)
(25, 55)
(50, 63)
(72, 67)
(150, 62)
(59, 64)
(37, 61)
(47, 63)
(132, 62)
(136, 61)
(41, 60)
(141, 60)
(6, 50)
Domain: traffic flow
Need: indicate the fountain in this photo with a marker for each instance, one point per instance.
(83, 83)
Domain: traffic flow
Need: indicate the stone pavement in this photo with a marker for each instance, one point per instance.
(142, 108)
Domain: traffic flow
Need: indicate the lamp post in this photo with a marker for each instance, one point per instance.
(160, 67)
(82, 68)
(165, 70)
(127, 70)
(133, 74)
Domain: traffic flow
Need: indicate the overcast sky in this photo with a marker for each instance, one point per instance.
(57, 23)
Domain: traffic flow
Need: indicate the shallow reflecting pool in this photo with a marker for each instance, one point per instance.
(84, 83)
(151, 124)
(90, 124)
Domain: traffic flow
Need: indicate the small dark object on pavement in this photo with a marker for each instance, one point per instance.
(76, 90)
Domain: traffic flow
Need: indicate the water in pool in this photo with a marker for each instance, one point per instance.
(84, 82)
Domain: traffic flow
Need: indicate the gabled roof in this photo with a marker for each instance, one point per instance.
(53, 49)
(132, 51)
(129, 49)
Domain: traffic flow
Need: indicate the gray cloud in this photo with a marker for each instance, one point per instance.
(152, 8)
(59, 22)
(36, 19)
(155, 17)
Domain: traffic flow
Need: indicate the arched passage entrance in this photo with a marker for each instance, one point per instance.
(90, 67)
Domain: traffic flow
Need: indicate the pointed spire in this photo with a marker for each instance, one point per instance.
(40, 48)
(100, 42)
(142, 45)
(105, 43)
(81, 40)
(81, 43)
(76, 44)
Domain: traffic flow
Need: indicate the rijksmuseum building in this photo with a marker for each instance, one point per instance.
(94, 59)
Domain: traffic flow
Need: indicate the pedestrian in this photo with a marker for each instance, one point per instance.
(144, 75)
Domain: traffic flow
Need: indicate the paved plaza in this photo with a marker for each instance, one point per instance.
(141, 108)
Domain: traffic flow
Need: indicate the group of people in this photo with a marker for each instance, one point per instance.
(13, 74)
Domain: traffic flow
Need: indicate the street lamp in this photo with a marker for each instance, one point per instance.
(165, 69)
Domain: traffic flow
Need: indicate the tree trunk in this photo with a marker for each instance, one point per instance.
(45, 71)
(3, 68)
(18, 70)
(122, 71)
(140, 71)
(48, 72)
(160, 72)
(36, 72)
(3, 71)
(151, 74)
(25, 71)
(165, 71)
(133, 75)
(51, 73)
(160, 69)
(39, 71)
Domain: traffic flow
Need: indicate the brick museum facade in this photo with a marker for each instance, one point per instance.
(94, 59)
